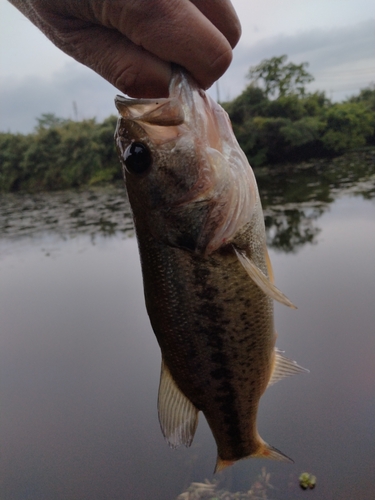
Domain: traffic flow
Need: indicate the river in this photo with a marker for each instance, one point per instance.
(80, 365)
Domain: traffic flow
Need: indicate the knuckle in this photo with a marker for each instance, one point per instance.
(130, 80)
(221, 63)
(235, 33)
(135, 83)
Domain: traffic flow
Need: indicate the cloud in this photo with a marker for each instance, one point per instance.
(341, 59)
(73, 92)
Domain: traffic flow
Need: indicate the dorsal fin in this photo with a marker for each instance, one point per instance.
(178, 417)
(284, 367)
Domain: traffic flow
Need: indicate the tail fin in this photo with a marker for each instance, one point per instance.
(267, 451)
(222, 464)
(264, 451)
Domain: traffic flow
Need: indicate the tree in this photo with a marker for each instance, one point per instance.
(366, 96)
(280, 79)
(348, 125)
(49, 120)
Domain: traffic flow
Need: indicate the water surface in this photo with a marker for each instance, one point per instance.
(80, 365)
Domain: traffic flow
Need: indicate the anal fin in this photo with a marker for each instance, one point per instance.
(284, 367)
(261, 279)
(178, 417)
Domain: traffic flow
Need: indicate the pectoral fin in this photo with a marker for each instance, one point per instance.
(261, 279)
(178, 417)
(284, 367)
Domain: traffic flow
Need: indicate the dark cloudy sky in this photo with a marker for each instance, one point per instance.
(336, 37)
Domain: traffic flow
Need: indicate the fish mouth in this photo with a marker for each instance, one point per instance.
(161, 120)
(166, 112)
(169, 111)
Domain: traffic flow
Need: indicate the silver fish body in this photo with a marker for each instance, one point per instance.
(207, 277)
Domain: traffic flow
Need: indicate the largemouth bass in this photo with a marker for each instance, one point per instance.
(207, 276)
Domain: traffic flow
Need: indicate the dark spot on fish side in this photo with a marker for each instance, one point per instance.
(227, 406)
(219, 357)
(212, 336)
(200, 275)
(213, 312)
(220, 373)
(208, 293)
(192, 351)
(225, 387)
(186, 241)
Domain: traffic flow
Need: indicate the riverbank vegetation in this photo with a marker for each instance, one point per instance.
(59, 154)
(275, 120)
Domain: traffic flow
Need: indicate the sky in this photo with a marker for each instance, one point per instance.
(336, 38)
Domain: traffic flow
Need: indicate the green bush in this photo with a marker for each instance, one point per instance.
(58, 155)
(348, 126)
(277, 121)
(12, 151)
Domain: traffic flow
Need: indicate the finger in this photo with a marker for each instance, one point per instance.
(128, 67)
(222, 15)
(176, 31)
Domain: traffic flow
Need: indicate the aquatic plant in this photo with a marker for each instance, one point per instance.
(307, 481)
(211, 490)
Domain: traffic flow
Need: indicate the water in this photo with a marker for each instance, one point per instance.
(80, 365)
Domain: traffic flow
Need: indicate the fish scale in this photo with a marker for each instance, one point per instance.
(198, 306)
(207, 277)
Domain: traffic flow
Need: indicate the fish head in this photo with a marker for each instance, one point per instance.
(154, 148)
(184, 170)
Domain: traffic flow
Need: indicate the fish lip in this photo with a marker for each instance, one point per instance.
(166, 112)
(129, 101)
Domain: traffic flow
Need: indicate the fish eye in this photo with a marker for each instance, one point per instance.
(137, 158)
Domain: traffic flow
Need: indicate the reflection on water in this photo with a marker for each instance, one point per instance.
(94, 211)
(79, 364)
(295, 198)
(293, 201)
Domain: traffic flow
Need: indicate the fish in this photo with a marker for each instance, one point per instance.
(207, 276)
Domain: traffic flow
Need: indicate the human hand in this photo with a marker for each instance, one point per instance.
(132, 43)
